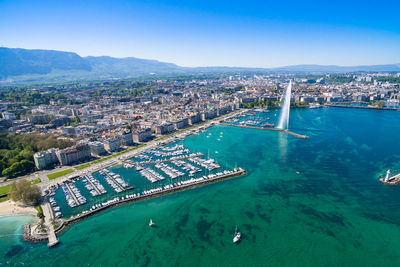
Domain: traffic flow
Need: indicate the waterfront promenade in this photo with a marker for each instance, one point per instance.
(48, 219)
(267, 129)
(359, 107)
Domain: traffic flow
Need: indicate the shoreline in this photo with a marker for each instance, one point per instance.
(11, 208)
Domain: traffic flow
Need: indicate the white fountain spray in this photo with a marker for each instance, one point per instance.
(283, 123)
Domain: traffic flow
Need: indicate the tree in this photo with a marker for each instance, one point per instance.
(19, 168)
(379, 104)
(25, 192)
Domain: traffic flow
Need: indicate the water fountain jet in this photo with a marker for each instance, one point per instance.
(283, 123)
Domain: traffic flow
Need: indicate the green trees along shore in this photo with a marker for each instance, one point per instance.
(16, 151)
(25, 192)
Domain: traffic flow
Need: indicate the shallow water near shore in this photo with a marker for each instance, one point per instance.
(313, 202)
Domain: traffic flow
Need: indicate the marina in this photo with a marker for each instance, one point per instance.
(115, 181)
(150, 160)
(151, 175)
(73, 195)
(171, 172)
(186, 166)
(93, 185)
(164, 167)
(159, 191)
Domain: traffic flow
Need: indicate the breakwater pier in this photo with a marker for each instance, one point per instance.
(268, 129)
(391, 180)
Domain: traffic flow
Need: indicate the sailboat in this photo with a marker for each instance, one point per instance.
(151, 223)
(236, 239)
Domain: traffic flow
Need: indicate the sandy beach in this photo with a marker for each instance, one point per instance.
(11, 208)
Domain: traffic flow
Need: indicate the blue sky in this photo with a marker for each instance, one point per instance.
(210, 33)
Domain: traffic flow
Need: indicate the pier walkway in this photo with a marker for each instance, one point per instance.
(95, 187)
(48, 218)
(72, 194)
(360, 107)
(118, 184)
(141, 163)
(268, 129)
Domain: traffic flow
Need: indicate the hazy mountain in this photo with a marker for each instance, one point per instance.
(16, 61)
(130, 66)
(23, 65)
(333, 68)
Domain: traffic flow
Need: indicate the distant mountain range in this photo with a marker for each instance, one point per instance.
(34, 66)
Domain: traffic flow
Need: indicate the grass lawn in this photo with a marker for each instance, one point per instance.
(39, 210)
(4, 190)
(128, 150)
(101, 160)
(55, 175)
(36, 181)
(80, 167)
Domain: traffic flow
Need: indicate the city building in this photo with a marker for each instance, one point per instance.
(193, 119)
(180, 124)
(8, 116)
(73, 154)
(43, 159)
(163, 128)
(112, 144)
(125, 139)
(97, 148)
(141, 135)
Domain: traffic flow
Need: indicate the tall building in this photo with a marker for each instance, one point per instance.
(112, 144)
(193, 119)
(163, 128)
(180, 124)
(73, 154)
(97, 148)
(141, 135)
(125, 139)
(43, 159)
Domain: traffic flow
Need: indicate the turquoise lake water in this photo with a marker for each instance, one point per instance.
(313, 202)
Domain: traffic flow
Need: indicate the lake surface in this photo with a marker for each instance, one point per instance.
(312, 202)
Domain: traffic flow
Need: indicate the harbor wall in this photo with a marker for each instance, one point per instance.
(267, 129)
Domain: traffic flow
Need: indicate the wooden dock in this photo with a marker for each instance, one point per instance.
(268, 129)
(141, 163)
(95, 187)
(120, 186)
(72, 194)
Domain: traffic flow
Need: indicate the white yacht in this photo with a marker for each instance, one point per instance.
(236, 239)
(151, 223)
